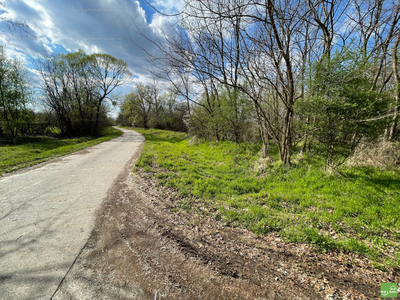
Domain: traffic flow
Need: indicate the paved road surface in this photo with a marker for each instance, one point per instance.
(47, 215)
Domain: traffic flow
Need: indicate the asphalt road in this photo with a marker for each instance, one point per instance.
(47, 214)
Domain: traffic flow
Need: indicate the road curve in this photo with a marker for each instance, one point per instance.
(47, 215)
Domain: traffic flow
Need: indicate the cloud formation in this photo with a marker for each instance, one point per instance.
(95, 26)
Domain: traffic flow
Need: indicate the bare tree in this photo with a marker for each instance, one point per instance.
(265, 49)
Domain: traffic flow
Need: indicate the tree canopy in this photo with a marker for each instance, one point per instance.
(77, 86)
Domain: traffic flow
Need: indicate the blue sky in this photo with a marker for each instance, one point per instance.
(96, 26)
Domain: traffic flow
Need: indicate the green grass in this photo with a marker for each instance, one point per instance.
(29, 150)
(354, 211)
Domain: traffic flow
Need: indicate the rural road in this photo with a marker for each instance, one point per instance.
(47, 215)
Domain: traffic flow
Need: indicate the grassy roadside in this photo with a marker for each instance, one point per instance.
(29, 151)
(354, 212)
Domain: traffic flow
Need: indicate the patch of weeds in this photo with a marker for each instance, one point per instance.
(145, 160)
(346, 210)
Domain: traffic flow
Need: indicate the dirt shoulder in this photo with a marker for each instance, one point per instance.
(145, 244)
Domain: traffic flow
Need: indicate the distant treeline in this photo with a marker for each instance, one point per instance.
(149, 107)
(75, 93)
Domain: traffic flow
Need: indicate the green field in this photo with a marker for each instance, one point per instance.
(355, 210)
(29, 150)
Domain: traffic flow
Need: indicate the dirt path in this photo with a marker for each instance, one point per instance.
(145, 245)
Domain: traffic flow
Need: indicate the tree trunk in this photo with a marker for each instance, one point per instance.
(304, 147)
(96, 124)
(264, 137)
(286, 143)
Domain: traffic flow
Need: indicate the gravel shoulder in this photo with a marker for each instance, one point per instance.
(145, 244)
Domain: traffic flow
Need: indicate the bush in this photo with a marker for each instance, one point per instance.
(342, 107)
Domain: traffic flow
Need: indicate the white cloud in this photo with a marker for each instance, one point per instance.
(160, 24)
(168, 6)
(141, 11)
(49, 50)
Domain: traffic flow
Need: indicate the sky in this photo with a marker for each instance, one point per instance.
(95, 26)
